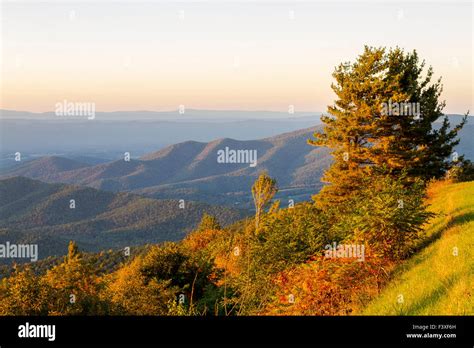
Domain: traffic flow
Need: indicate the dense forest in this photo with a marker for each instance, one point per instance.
(32, 211)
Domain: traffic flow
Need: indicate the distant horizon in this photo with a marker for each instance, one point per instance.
(232, 56)
(210, 110)
(176, 110)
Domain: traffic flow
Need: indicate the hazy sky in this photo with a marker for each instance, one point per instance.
(246, 55)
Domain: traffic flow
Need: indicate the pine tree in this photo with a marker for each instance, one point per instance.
(382, 122)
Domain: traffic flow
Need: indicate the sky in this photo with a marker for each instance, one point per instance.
(242, 55)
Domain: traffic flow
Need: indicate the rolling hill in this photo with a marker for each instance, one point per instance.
(190, 170)
(35, 212)
(46, 167)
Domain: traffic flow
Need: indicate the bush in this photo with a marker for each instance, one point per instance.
(284, 239)
(386, 216)
(328, 286)
(289, 236)
(463, 171)
(23, 294)
(131, 293)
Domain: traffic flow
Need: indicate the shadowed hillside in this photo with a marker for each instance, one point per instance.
(190, 170)
(35, 212)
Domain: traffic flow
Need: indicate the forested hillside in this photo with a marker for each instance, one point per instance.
(51, 215)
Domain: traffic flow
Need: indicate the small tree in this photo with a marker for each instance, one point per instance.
(72, 251)
(208, 222)
(263, 190)
(74, 287)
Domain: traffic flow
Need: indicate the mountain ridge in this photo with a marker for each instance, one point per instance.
(190, 169)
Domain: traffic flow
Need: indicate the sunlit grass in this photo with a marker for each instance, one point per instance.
(435, 281)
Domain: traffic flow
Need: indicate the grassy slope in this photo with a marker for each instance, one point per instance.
(434, 281)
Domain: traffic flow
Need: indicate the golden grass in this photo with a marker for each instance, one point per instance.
(438, 280)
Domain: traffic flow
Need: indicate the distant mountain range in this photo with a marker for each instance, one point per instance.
(110, 134)
(190, 170)
(32, 211)
(139, 132)
(171, 115)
